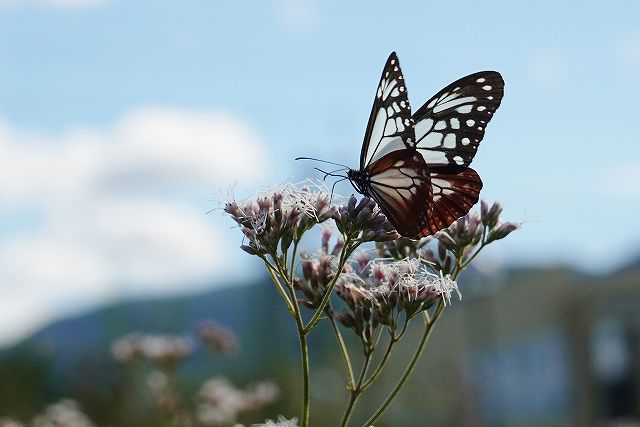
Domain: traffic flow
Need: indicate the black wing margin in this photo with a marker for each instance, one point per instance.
(390, 126)
(450, 126)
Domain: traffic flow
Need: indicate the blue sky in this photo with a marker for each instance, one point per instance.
(121, 121)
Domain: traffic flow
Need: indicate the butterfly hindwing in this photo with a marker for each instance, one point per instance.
(454, 191)
(450, 126)
(390, 126)
(399, 183)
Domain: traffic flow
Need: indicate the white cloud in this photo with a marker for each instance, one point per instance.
(548, 68)
(117, 211)
(298, 16)
(58, 4)
(627, 49)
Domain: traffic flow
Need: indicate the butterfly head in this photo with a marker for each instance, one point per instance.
(359, 180)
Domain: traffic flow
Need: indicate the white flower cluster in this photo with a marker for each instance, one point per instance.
(64, 413)
(280, 422)
(163, 350)
(380, 291)
(280, 215)
(220, 402)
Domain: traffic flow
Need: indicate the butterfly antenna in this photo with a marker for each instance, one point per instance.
(334, 186)
(326, 174)
(323, 161)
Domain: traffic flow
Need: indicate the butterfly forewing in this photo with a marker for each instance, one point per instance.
(390, 126)
(399, 183)
(455, 191)
(450, 126)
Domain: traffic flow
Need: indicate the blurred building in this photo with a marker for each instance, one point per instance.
(547, 347)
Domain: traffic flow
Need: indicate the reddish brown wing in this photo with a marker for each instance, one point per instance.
(399, 183)
(454, 193)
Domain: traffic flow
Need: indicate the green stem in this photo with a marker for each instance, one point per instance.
(462, 265)
(384, 359)
(344, 255)
(357, 390)
(276, 281)
(304, 352)
(409, 369)
(304, 355)
(344, 351)
(302, 336)
(293, 260)
(404, 329)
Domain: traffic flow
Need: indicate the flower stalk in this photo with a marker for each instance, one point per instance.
(372, 295)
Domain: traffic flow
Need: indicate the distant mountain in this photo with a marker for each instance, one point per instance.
(72, 357)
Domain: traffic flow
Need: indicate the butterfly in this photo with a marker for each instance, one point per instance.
(416, 166)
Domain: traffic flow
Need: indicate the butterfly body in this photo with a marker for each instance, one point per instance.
(416, 166)
(360, 181)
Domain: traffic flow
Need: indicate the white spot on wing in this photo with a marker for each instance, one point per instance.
(455, 123)
(391, 128)
(423, 127)
(449, 141)
(441, 124)
(387, 145)
(464, 109)
(388, 88)
(376, 133)
(431, 140)
(393, 179)
(435, 157)
(458, 160)
(452, 103)
(439, 182)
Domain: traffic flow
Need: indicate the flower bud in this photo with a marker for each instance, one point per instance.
(491, 218)
(248, 249)
(446, 240)
(484, 209)
(502, 231)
